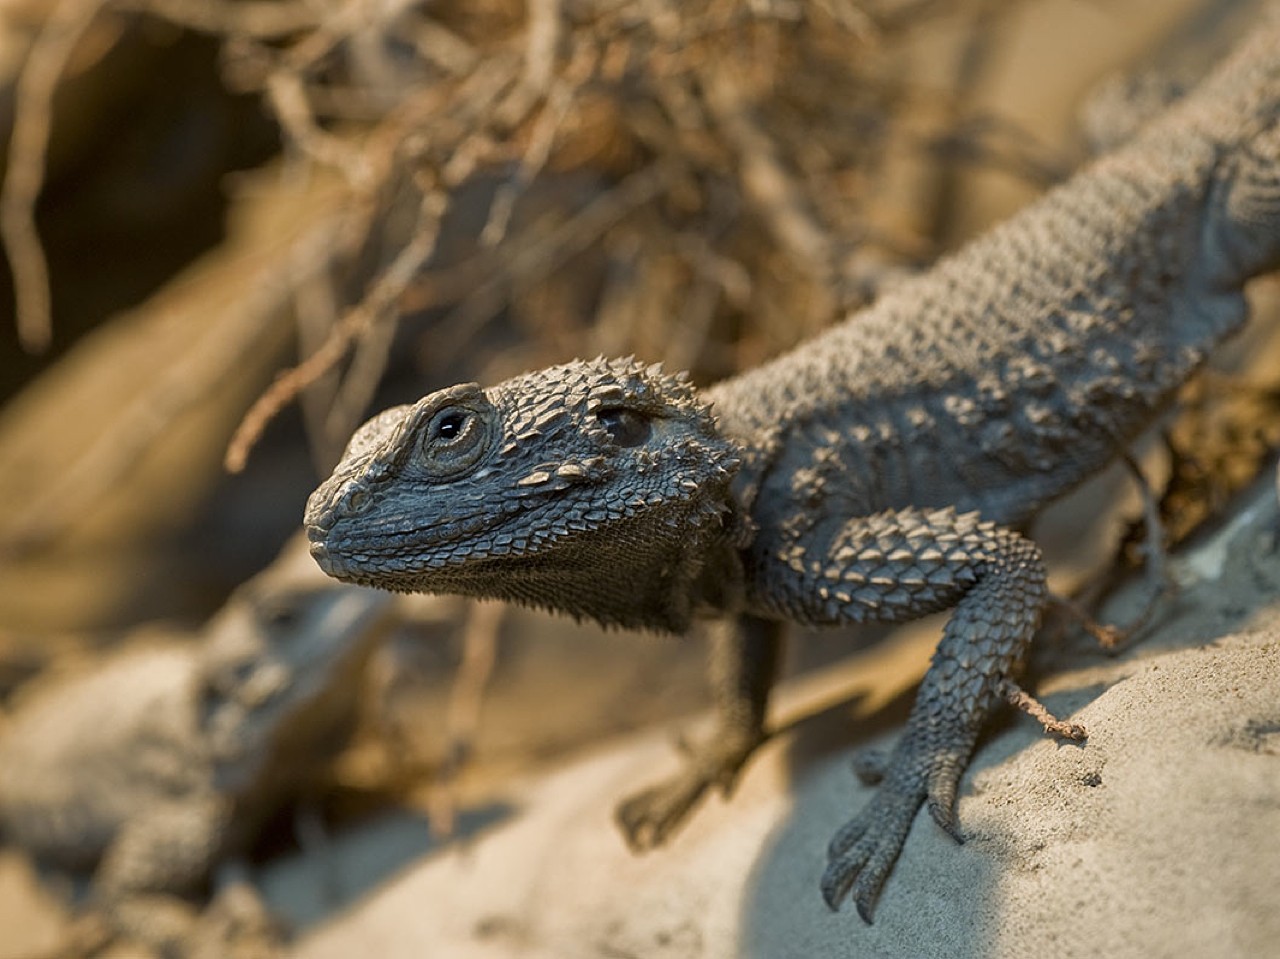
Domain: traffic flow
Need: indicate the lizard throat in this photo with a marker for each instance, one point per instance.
(641, 571)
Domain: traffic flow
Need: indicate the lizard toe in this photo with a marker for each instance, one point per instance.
(860, 871)
(648, 818)
(944, 781)
(840, 874)
(871, 766)
(945, 816)
(863, 851)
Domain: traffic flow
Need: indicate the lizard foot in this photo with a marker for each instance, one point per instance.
(237, 925)
(648, 818)
(864, 850)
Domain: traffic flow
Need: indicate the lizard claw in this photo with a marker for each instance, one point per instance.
(945, 817)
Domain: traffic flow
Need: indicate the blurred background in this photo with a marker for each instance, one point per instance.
(236, 228)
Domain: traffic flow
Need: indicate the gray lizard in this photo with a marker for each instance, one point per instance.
(879, 472)
(157, 766)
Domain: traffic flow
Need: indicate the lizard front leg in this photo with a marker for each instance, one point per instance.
(745, 652)
(157, 857)
(170, 851)
(896, 566)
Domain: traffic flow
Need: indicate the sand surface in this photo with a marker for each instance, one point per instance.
(1160, 836)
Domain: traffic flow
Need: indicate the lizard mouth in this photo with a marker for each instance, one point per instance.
(408, 552)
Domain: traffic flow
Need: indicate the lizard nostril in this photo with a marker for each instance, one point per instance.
(357, 501)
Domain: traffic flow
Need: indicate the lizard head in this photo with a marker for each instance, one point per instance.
(279, 674)
(597, 488)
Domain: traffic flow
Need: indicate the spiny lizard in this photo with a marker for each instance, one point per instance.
(879, 472)
(156, 767)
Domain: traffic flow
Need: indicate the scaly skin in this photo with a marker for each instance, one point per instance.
(877, 472)
(158, 766)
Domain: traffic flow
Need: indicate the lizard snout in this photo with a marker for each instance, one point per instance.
(320, 553)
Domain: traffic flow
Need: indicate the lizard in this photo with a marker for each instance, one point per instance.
(885, 469)
(161, 765)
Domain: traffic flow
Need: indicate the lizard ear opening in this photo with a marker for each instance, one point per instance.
(625, 427)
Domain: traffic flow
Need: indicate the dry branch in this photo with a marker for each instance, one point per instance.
(355, 324)
(462, 716)
(756, 128)
(177, 388)
(260, 19)
(33, 117)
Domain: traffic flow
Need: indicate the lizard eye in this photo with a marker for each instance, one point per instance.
(449, 425)
(455, 438)
(625, 427)
(220, 680)
(279, 614)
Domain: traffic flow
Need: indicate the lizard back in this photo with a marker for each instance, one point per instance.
(987, 385)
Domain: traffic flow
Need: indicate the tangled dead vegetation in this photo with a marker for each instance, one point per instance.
(713, 166)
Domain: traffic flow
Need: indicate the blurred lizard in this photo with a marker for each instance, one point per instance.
(163, 764)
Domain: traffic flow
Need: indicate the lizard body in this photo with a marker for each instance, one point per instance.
(878, 472)
(159, 765)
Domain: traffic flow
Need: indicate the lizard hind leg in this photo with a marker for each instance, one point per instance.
(1111, 637)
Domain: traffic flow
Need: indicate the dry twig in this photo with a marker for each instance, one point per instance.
(261, 19)
(536, 257)
(117, 450)
(355, 323)
(33, 117)
(767, 182)
(288, 98)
